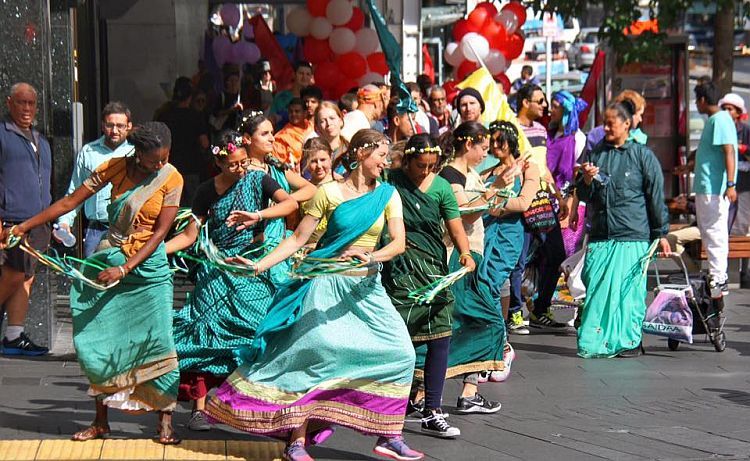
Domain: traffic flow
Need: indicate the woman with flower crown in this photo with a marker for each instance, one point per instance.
(257, 138)
(332, 350)
(429, 205)
(224, 309)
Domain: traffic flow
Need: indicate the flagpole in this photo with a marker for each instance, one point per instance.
(481, 63)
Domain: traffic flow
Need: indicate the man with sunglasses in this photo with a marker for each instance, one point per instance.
(116, 125)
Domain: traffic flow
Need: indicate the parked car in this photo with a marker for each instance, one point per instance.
(583, 49)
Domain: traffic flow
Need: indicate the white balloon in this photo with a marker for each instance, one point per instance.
(453, 54)
(320, 28)
(367, 41)
(298, 22)
(508, 20)
(473, 42)
(370, 77)
(496, 62)
(339, 12)
(342, 40)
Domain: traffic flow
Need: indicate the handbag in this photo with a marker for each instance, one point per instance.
(573, 267)
(540, 217)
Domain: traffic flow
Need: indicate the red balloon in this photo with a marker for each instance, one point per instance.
(513, 47)
(466, 68)
(488, 7)
(478, 17)
(503, 80)
(342, 87)
(461, 28)
(353, 65)
(495, 34)
(317, 7)
(519, 10)
(316, 51)
(376, 62)
(357, 20)
(327, 74)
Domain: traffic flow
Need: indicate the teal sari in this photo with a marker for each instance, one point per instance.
(276, 231)
(223, 311)
(123, 335)
(332, 349)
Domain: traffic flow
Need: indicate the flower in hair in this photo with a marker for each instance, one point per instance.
(230, 148)
(472, 138)
(369, 145)
(423, 150)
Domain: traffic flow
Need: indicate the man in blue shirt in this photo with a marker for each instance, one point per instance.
(714, 183)
(116, 125)
(25, 171)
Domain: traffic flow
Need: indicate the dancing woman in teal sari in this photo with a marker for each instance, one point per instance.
(257, 135)
(123, 335)
(332, 350)
(224, 309)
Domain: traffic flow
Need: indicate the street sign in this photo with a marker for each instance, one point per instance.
(549, 26)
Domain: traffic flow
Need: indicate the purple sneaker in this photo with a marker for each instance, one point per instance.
(319, 436)
(396, 448)
(296, 452)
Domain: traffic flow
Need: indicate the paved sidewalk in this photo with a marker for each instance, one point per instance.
(693, 403)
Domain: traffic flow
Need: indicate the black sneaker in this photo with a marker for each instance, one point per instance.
(23, 345)
(476, 404)
(415, 409)
(434, 424)
(724, 287)
(198, 422)
(545, 321)
(632, 353)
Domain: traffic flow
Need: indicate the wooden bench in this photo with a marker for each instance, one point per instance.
(739, 248)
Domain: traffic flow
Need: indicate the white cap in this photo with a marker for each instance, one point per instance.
(735, 100)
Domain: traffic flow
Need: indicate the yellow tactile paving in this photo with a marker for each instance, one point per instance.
(17, 450)
(240, 450)
(197, 450)
(141, 449)
(69, 450)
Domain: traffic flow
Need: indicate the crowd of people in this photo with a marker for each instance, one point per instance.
(347, 256)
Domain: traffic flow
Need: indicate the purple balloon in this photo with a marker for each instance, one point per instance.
(247, 31)
(245, 52)
(230, 14)
(222, 48)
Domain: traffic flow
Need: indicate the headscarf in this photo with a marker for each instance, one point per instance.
(572, 106)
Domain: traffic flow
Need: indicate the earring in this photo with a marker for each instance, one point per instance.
(353, 166)
(137, 161)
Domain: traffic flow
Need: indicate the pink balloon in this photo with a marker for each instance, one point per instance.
(230, 14)
(339, 12)
(320, 28)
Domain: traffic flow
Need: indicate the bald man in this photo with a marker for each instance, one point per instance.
(25, 171)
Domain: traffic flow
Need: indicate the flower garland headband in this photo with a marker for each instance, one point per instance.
(423, 150)
(230, 148)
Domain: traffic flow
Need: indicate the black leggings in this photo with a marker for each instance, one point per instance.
(435, 365)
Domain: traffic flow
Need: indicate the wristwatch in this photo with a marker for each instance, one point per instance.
(730, 184)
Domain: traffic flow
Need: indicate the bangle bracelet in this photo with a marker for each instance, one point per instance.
(260, 216)
(468, 253)
(122, 270)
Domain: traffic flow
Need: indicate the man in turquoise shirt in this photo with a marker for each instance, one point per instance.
(116, 125)
(714, 183)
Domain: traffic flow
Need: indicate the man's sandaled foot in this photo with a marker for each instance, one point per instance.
(90, 433)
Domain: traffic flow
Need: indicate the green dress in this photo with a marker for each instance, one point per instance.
(424, 259)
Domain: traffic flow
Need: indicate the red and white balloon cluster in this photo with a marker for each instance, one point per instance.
(490, 36)
(345, 54)
(236, 47)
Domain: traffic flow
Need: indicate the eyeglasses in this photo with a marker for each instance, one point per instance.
(119, 126)
(243, 165)
(539, 101)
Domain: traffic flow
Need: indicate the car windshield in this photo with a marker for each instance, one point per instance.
(591, 37)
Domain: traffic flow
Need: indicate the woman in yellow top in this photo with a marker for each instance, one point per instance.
(123, 335)
(332, 349)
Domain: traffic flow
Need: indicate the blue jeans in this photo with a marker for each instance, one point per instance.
(516, 277)
(91, 239)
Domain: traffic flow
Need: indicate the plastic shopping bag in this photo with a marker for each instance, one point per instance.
(669, 315)
(573, 267)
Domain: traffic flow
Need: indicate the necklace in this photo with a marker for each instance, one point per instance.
(354, 189)
(258, 164)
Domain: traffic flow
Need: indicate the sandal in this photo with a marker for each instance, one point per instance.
(169, 439)
(90, 433)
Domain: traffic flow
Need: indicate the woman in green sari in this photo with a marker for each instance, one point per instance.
(123, 335)
(224, 309)
(428, 202)
(622, 184)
